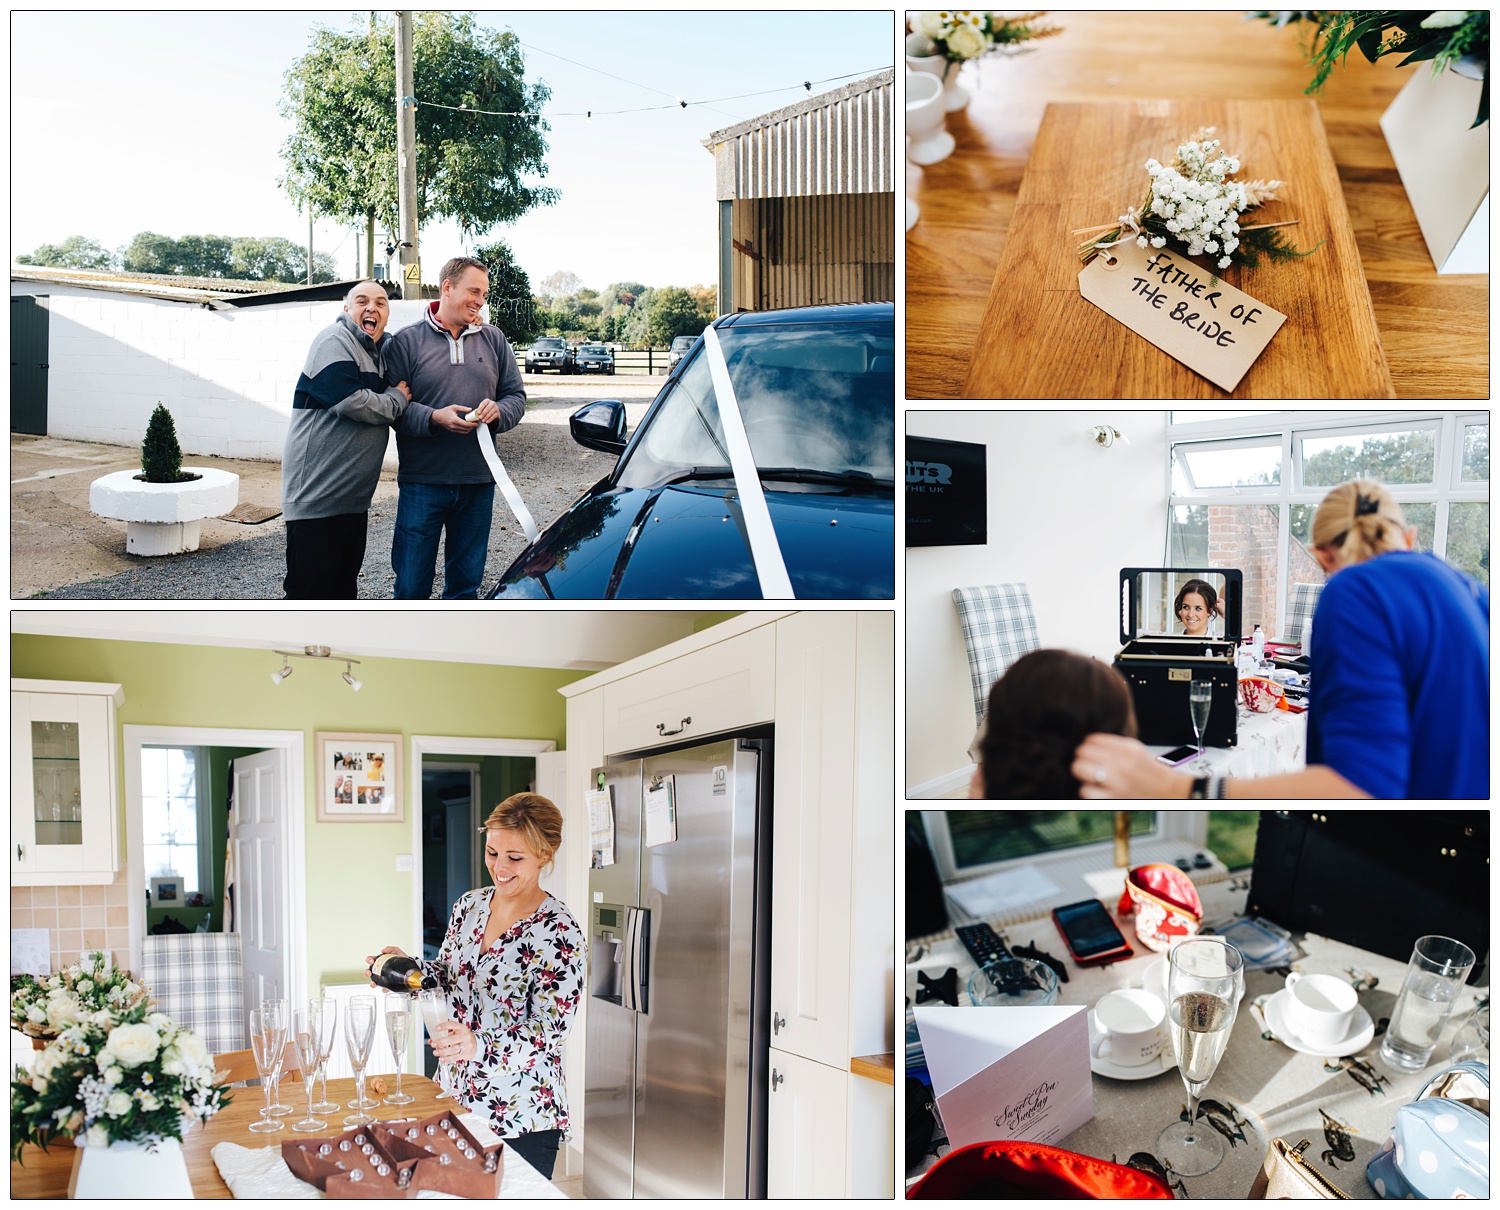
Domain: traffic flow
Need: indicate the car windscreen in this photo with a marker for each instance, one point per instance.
(550, 342)
(681, 344)
(814, 398)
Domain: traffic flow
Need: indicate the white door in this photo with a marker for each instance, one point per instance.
(262, 917)
(807, 1132)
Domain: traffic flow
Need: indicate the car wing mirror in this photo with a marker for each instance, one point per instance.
(600, 426)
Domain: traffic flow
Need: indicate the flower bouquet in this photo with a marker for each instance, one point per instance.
(43, 1006)
(114, 1075)
(959, 35)
(1196, 202)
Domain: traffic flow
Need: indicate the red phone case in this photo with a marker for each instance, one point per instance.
(1103, 959)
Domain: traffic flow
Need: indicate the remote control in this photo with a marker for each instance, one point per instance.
(983, 943)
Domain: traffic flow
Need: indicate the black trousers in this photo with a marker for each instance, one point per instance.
(539, 1149)
(323, 557)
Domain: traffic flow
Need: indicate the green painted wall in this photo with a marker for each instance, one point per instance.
(704, 621)
(356, 902)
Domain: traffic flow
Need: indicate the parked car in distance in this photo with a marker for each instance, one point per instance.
(551, 353)
(815, 388)
(681, 346)
(594, 359)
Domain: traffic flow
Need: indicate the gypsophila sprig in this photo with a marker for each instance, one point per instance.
(1195, 202)
(131, 1076)
(43, 1006)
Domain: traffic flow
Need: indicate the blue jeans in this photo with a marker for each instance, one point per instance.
(423, 512)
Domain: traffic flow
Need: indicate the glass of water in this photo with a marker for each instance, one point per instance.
(1434, 977)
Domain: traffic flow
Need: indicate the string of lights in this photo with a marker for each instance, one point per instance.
(589, 114)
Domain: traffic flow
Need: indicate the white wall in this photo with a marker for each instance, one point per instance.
(227, 377)
(1064, 515)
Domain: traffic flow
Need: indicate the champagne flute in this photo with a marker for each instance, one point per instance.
(305, 1042)
(266, 1043)
(1200, 698)
(276, 1009)
(1204, 984)
(436, 1013)
(397, 1029)
(327, 1030)
(359, 1034)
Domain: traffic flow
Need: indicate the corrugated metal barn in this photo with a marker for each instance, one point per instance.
(807, 201)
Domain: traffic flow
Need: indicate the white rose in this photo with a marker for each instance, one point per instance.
(36, 1014)
(160, 1020)
(85, 986)
(966, 42)
(62, 1012)
(54, 982)
(132, 1045)
(191, 1053)
(118, 1104)
(932, 24)
(113, 1075)
(1445, 18)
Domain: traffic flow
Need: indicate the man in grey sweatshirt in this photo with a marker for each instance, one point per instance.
(463, 375)
(342, 411)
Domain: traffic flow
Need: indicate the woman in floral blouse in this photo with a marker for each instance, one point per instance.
(511, 967)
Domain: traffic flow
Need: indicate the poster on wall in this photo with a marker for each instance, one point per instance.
(359, 778)
(945, 493)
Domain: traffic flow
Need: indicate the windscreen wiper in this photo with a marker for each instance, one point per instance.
(802, 474)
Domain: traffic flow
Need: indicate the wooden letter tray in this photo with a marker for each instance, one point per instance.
(1159, 664)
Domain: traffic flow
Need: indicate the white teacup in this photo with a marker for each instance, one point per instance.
(1319, 1007)
(1131, 1027)
(927, 141)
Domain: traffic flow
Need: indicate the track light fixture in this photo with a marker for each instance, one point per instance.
(316, 653)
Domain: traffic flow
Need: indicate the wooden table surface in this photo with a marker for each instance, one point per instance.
(1434, 330)
(44, 1174)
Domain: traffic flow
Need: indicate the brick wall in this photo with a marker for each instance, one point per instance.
(1244, 536)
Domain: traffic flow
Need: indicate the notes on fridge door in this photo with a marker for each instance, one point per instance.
(661, 811)
(601, 827)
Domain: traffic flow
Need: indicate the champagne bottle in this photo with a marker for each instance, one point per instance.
(399, 973)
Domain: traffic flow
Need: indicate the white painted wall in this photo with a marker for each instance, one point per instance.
(226, 376)
(1064, 515)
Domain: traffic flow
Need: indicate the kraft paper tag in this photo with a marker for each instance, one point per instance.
(1209, 326)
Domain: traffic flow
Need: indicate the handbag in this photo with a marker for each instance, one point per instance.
(1034, 1170)
(1286, 1175)
(1439, 1146)
(1165, 903)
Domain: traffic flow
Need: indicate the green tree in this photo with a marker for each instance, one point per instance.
(150, 253)
(636, 326)
(161, 456)
(75, 252)
(621, 292)
(274, 258)
(203, 255)
(512, 309)
(673, 313)
(340, 96)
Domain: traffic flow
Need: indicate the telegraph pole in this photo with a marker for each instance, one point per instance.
(406, 159)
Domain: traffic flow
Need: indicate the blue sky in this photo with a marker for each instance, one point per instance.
(168, 122)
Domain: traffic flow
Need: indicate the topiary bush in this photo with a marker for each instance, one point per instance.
(161, 456)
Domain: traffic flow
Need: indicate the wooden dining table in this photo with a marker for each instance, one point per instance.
(45, 1174)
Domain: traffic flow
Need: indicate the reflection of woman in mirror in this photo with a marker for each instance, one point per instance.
(1196, 605)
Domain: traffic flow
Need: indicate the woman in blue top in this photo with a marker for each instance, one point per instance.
(1400, 666)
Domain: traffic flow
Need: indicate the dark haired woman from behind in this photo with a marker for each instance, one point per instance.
(1037, 715)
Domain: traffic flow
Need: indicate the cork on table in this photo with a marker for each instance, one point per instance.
(1039, 338)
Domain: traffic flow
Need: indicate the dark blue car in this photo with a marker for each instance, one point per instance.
(815, 387)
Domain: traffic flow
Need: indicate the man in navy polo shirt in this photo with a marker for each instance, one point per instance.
(464, 374)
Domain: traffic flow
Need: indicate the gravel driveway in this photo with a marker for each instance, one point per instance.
(547, 466)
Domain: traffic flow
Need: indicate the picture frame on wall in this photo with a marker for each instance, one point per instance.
(359, 778)
(167, 891)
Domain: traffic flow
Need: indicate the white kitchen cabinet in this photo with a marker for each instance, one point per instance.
(64, 795)
(808, 1127)
(719, 688)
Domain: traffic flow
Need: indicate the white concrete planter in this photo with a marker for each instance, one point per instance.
(162, 518)
(130, 1170)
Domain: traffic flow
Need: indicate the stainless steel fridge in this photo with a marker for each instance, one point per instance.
(677, 1028)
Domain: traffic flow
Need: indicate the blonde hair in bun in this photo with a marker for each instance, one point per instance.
(1359, 520)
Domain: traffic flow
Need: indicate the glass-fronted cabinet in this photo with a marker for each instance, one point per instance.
(64, 799)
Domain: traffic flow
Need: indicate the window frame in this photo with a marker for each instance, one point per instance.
(1191, 826)
(204, 811)
(1291, 428)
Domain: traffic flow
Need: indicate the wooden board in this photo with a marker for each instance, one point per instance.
(1040, 339)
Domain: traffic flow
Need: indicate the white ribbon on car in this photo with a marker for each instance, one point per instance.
(765, 550)
(502, 480)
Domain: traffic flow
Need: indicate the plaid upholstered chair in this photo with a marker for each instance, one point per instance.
(198, 981)
(1301, 606)
(999, 628)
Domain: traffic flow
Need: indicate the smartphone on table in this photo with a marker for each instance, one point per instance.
(1091, 935)
(1177, 755)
